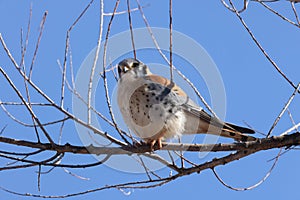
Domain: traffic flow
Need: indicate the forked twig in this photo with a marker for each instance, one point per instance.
(283, 110)
(277, 13)
(246, 2)
(261, 48)
(38, 43)
(166, 59)
(295, 13)
(105, 78)
(67, 50)
(25, 103)
(253, 186)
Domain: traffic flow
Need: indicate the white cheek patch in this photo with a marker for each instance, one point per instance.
(126, 69)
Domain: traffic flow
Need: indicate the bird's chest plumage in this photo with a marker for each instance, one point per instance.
(149, 108)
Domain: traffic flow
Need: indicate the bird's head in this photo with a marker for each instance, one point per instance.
(132, 65)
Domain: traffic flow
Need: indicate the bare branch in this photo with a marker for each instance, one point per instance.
(24, 47)
(166, 59)
(283, 110)
(278, 14)
(108, 103)
(253, 186)
(67, 50)
(38, 43)
(261, 144)
(95, 62)
(26, 105)
(261, 48)
(130, 27)
(171, 43)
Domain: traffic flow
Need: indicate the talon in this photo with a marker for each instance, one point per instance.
(159, 143)
(152, 143)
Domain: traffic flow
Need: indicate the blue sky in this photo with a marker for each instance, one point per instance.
(255, 92)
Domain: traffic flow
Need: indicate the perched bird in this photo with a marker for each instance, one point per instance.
(156, 109)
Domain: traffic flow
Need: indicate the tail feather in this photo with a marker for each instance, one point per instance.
(237, 135)
(236, 132)
(239, 128)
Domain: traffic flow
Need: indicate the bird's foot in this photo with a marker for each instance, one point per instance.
(156, 142)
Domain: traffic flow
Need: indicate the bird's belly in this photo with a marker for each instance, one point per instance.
(148, 117)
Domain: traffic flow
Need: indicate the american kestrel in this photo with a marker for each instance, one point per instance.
(156, 109)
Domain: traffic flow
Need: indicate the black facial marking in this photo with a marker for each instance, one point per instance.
(135, 64)
(119, 71)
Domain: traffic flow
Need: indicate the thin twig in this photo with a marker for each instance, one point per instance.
(283, 110)
(253, 186)
(291, 129)
(26, 105)
(30, 125)
(108, 103)
(39, 178)
(171, 157)
(38, 43)
(47, 98)
(166, 59)
(184, 159)
(171, 39)
(73, 90)
(75, 175)
(292, 119)
(125, 11)
(24, 47)
(155, 183)
(278, 14)
(22, 104)
(145, 168)
(246, 2)
(67, 50)
(261, 48)
(295, 13)
(90, 84)
(130, 27)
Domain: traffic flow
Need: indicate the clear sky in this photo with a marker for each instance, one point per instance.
(255, 92)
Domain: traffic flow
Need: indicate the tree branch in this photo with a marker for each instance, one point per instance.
(246, 147)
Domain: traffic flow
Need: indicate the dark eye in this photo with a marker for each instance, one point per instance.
(135, 64)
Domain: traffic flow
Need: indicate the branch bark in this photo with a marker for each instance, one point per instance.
(245, 147)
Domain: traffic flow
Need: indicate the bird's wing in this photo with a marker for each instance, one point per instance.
(192, 110)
